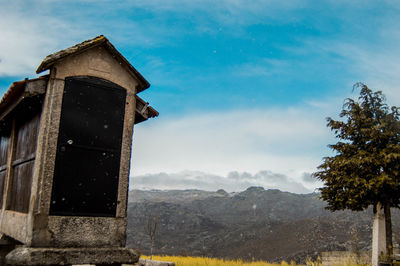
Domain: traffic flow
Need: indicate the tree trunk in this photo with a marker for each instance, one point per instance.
(388, 227)
(378, 235)
(151, 250)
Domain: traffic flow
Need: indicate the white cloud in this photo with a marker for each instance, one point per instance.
(232, 182)
(28, 35)
(287, 141)
(20, 43)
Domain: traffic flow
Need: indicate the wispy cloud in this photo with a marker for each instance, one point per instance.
(379, 69)
(372, 63)
(28, 35)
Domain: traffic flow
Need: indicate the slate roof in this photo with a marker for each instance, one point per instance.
(51, 59)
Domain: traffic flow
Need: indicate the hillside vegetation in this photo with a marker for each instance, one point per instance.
(255, 224)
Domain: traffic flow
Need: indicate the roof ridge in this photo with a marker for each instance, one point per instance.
(51, 59)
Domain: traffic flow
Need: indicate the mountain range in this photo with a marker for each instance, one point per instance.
(255, 224)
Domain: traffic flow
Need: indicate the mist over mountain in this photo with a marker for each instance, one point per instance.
(233, 181)
(254, 224)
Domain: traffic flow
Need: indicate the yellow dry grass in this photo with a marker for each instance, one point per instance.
(204, 261)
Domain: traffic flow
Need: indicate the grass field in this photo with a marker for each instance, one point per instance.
(203, 261)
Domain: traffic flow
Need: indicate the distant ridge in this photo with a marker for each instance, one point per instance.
(256, 223)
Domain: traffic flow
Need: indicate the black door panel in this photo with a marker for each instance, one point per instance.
(88, 156)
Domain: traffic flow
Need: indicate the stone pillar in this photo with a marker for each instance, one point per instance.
(378, 235)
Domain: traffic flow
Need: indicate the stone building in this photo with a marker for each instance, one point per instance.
(65, 150)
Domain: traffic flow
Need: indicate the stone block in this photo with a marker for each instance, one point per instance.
(144, 262)
(71, 256)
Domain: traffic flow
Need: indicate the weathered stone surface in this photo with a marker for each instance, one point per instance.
(68, 256)
(74, 231)
(143, 262)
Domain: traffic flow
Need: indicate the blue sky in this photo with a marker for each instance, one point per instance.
(241, 86)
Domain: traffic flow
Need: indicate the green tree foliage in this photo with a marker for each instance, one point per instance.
(366, 167)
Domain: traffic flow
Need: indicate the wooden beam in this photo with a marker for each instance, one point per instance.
(9, 174)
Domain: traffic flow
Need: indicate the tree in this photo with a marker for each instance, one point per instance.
(366, 168)
(151, 230)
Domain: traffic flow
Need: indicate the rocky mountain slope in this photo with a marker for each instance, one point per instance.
(253, 224)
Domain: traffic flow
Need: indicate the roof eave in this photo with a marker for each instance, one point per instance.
(143, 83)
(51, 59)
(19, 91)
(144, 111)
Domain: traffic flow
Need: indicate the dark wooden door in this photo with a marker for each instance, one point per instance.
(23, 151)
(88, 155)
